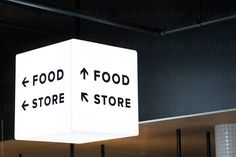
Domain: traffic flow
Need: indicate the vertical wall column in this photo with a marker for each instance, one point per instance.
(72, 150)
(102, 150)
(225, 140)
(178, 143)
(208, 141)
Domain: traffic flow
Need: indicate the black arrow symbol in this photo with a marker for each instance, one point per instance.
(84, 72)
(24, 82)
(24, 105)
(83, 96)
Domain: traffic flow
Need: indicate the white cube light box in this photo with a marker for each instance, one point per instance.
(76, 92)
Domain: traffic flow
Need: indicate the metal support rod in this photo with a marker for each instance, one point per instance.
(77, 21)
(208, 138)
(199, 25)
(178, 143)
(102, 150)
(199, 20)
(176, 30)
(72, 150)
(77, 14)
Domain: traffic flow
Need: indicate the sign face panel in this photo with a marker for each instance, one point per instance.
(76, 92)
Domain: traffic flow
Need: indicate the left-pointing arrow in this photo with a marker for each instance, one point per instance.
(25, 81)
(24, 105)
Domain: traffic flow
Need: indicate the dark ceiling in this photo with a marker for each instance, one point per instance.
(18, 21)
(160, 15)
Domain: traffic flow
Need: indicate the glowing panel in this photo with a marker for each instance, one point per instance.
(76, 92)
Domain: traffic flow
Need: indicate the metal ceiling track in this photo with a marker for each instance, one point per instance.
(137, 28)
(77, 14)
(200, 25)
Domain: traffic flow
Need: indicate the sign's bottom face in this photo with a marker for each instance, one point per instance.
(77, 137)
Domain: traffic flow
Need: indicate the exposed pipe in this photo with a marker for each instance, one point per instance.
(176, 30)
(199, 25)
(137, 28)
(77, 14)
(218, 20)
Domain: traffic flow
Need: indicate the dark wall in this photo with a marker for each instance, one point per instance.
(180, 74)
(189, 72)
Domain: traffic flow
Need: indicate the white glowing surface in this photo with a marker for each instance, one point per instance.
(74, 120)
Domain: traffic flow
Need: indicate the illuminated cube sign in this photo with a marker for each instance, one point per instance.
(76, 92)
